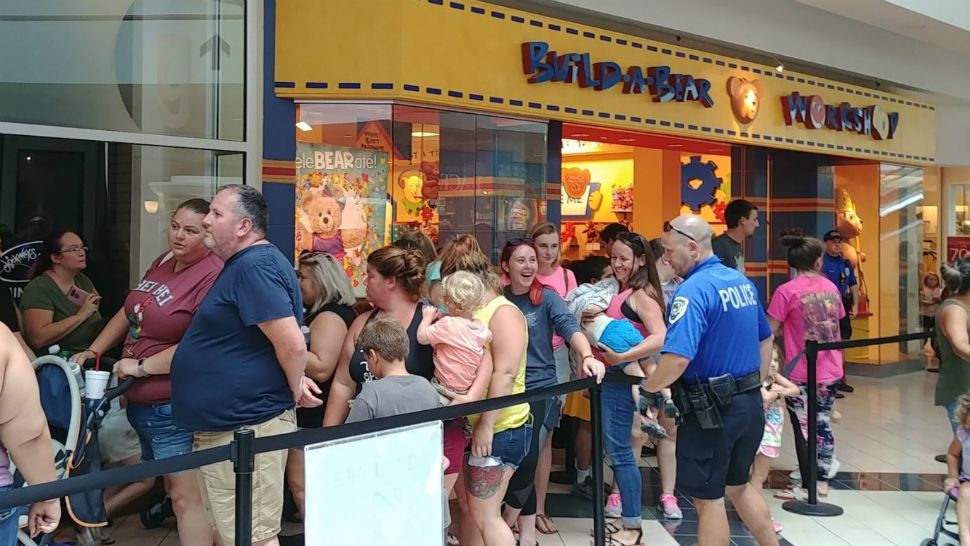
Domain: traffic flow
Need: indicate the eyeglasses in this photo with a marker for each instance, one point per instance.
(71, 249)
(668, 227)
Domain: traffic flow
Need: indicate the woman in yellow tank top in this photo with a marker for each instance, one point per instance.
(501, 438)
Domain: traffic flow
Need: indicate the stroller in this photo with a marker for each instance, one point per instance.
(73, 423)
(942, 524)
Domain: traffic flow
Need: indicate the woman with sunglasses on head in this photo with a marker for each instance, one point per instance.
(155, 316)
(329, 300)
(640, 300)
(546, 313)
(500, 438)
(60, 303)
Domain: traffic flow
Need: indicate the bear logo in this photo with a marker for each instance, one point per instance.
(745, 98)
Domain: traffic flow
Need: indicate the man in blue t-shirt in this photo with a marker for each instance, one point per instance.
(718, 339)
(839, 270)
(241, 361)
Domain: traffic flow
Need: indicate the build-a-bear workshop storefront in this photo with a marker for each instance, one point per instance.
(467, 117)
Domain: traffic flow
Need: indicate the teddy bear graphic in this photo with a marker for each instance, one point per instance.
(321, 217)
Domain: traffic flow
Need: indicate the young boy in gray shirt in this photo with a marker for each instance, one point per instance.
(384, 343)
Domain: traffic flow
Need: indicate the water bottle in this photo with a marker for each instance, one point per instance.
(75, 367)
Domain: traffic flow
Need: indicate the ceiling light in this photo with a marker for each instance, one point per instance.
(603, 138)
(580, 134)
(421, 134)
(304, 126)
(627, 140)
(675, 145)
(716, 151)
(151, 207)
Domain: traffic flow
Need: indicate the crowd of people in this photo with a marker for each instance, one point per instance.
(223, 306)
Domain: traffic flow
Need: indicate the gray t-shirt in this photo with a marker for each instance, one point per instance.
(393, 395)
(729, 251)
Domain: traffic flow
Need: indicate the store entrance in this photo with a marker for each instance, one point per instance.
(639, 180)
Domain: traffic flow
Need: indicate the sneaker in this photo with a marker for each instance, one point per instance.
(669, 507)
(776, 525)
(833, 469)
(613, 509)
(845, 387)
(583, 490)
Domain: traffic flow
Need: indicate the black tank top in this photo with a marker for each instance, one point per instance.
(418, 362)
(629, 313)
(313, 417)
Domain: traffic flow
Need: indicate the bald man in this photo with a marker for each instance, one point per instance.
(718, 341)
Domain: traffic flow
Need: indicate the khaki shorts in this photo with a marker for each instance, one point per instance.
(218, 482)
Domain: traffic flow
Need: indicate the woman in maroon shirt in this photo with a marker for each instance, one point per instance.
(156, 314)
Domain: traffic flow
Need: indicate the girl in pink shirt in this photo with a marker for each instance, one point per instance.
(458, 338)
(809, 307)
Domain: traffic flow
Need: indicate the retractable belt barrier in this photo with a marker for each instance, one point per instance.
(808, 451)
(244, 447)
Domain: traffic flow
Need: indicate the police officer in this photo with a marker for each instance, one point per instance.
(840, 271)
(718, 341)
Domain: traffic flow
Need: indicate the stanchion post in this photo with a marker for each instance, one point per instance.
(243, 459)
(596, 431)
(812, 507)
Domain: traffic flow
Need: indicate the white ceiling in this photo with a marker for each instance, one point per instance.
(943, 23)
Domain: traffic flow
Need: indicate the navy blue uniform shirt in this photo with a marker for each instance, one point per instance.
(225, 373)
(840, 271)
(716, 321)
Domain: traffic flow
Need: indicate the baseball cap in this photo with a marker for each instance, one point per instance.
(832, 234)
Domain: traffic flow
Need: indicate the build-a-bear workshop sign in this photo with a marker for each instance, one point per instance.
(815, 114)
(544, 65)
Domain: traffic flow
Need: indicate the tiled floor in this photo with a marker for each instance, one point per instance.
(888, 484)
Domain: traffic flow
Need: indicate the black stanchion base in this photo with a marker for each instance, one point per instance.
(803, 508)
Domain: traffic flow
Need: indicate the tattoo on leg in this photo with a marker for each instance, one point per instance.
(482, 483)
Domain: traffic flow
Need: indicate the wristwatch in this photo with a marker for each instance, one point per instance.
(141, 368)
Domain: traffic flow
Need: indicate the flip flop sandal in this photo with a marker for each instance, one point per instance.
(610, 528)
(613, 541)
(796, 493)
(547, 527)
(453, 540)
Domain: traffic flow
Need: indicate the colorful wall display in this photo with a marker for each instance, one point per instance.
(341, 204)
(589, 188)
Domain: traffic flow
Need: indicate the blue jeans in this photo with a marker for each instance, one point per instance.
(511, 445)
(160, 437)
(618, 412)
(9, 522)
(951, 412)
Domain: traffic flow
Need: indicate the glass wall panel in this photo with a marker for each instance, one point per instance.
(901, 247)
(170, 68)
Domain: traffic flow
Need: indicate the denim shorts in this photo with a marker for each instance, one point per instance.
(160, 437)
(511, 446)
(9, 522)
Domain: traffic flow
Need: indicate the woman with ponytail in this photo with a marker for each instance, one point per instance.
(809, 307)
(394, 280)
(546, 314)
(953, 337)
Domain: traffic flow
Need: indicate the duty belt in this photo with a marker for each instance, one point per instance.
(704, 399)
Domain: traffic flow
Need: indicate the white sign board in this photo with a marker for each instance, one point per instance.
(376, 489)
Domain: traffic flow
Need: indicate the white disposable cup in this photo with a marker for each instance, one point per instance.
(95, 383)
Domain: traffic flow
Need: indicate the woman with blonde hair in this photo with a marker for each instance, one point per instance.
(329, 299)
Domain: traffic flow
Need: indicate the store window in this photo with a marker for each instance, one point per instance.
(901, 247)
(166, 68)
(366, 173)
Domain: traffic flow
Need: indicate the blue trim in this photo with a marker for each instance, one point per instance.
(496, 100)
(478, 11)
(553, 27)
(587, 34)
(572, 31)
(348, 85)
(409, 87)
(474, 96)
(535, 105)
(498, 15)
(436, 2)
(605, 38)
(570, 110)
(515, 102)
(517, 19)
(635, 119)
(316, 85)
(552, 108)
(456, 94)
(432, 91)
(535, 23)
(382, 86)
(457, 5)
(284, 84)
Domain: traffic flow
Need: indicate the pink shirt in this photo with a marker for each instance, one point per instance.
(563, 281)
(159, 311)
(809, 308)
(458, 348)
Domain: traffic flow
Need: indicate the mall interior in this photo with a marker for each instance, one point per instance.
(487, 118)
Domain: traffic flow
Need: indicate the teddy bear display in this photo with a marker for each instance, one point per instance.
(745, 98)
(849, 224)
(321, 215)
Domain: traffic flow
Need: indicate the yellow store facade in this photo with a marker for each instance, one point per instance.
(467, 117)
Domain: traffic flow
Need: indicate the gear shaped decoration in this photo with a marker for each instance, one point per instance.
(695, 198)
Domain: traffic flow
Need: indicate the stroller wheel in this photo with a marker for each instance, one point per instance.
(155, 514)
